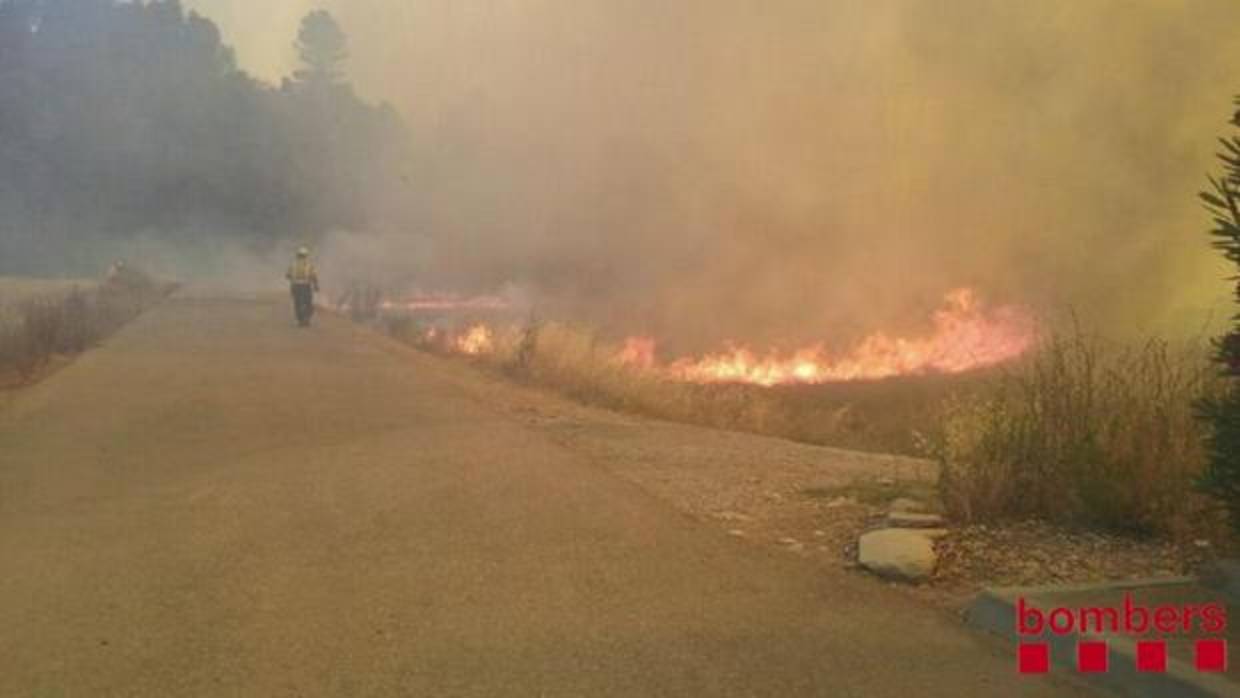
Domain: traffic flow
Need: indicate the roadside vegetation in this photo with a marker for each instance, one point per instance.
(1083, 432)
(577, 361)
(1222, 410)
(38, 326)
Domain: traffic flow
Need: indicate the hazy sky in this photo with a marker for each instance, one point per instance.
(789, 168)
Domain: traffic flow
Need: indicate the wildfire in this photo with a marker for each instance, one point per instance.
(637, 352)
(476, 341)
(966, 335)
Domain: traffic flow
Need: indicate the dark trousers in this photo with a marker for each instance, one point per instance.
(303, 303)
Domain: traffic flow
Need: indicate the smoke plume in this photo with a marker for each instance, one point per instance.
(789, 170)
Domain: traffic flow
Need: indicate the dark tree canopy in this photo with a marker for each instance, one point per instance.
(323, 49)
(124, 118)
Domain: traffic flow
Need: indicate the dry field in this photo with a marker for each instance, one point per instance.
(15, 290)
(814, 502)
(881, 416)
(45, 322)
(1081, 432)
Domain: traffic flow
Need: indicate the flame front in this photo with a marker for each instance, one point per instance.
(476, 341)
(638, 352)
(965, 336)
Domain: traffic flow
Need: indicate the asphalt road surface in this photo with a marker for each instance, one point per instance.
(217, 503)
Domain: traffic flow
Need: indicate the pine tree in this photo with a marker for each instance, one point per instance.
(323, 48)
(1222, 475)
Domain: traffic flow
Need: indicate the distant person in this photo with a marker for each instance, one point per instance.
(303, 280)
(115, 271)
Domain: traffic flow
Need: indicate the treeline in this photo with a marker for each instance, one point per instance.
(119, 118)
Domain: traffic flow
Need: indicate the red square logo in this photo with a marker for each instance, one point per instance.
(1212, 655)
(1035, 657)
(1091, 657)
(1152, 656)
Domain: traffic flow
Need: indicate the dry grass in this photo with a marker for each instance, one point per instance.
(881, 416)
(1083, 432)
(15, 290)
(45, 319)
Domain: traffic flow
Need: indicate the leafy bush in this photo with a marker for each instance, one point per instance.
(1221, 477)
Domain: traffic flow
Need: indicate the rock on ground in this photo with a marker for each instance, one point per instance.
(897, 554)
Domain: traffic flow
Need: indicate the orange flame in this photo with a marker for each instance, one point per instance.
(476, 341)
(637, 352)
(965, 337)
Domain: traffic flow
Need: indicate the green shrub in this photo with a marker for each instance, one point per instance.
(1221, 413)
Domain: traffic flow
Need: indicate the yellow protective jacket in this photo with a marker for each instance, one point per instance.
(302, 271)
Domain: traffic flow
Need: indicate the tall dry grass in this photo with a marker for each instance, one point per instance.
(38, 327)
(581, 363)
(1083, 432)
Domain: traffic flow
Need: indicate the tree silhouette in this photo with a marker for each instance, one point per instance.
(132, 119)
(323, 48)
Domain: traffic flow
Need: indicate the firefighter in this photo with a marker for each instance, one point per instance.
(303, 281)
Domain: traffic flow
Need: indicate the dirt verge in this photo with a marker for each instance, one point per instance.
(815, 501)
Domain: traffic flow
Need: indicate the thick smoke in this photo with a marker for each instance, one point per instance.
(791, 170)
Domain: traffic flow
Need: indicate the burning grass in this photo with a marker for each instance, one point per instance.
(966, 335)
(1068, 428)
(44, 320)
(871, 415)
(873, 397)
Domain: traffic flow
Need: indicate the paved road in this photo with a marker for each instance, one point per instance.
(219, 504)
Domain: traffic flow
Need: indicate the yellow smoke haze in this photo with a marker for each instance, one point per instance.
(782, 169)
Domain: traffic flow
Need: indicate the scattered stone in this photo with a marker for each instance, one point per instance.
(898, 554)
(738, 533)
(931, 533)
(732, 516)
(841, 502)
(789, 541)
(1201, 543)
(905, 504)
(906, 519)
(886, 481)
(820, 534)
